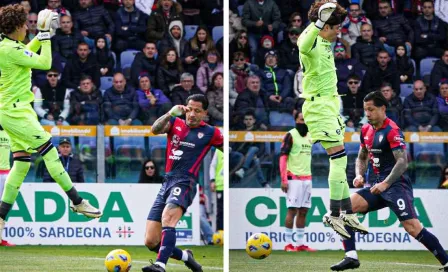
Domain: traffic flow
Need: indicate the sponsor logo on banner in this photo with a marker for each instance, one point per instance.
(41, 215)
(265, 211)
(71, 130)
(127, 131)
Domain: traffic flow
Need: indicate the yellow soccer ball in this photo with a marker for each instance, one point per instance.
(218, 238)
(259, 246)
(118, 260)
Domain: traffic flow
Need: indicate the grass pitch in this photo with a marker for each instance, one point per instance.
(381, 261)
(91, 258)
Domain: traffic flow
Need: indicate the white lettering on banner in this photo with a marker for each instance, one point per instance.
(261, 210)
(41, 215)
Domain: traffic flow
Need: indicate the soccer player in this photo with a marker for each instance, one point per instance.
(295, 172)
(382, 143)
(321, 107)
(17, 116)
(188, 142)
(5, 166)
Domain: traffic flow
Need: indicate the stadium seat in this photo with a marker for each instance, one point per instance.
(278, 119)
(406, 89)
(217, 33)
(115, 59)
(415, 67)
(352, 148)
(158, 156)
(106, 82)
(427, 147)
(190, 30)
(426, 66)
(240, 10)
(427, 177)
(127, 57)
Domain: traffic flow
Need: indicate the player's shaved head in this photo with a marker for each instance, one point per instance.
(12, 17)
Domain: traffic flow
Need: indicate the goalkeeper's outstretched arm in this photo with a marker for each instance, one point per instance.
(308, 38)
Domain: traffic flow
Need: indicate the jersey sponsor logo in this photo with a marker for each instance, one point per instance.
(28, 53)
(176, 155)
(200, 135)
(187, 144)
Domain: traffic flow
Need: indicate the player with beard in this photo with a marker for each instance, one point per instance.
(295, 172)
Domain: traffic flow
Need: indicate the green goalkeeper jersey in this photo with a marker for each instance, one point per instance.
(317, 62)
(16, 62)
(5, 148)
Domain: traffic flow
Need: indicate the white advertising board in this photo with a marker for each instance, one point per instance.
(41, 215)
(264, 210)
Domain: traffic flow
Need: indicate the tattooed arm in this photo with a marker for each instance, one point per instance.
(401, 164)
(362, 161)
(161, 125)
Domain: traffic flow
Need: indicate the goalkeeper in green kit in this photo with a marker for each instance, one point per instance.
(322, 106)
(17, 116)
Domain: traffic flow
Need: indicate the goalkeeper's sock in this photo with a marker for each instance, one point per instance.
(349, 244)
(346, 205)
(288, 235)
(337, 179)
(58, 173)
(168, 244)
(433, 245)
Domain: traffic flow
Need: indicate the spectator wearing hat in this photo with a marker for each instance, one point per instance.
(345, 67)
(421, 113)
(175, 39)
(351, 27)
(442, 102)
(267, 44)
(72, 164)
(276, 83)
(289, 51)
(260, 17)
(158, 22)
(153, 102)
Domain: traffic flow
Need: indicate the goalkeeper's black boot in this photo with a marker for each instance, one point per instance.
(444, 269)
(153, 268)
(346, 263)
(191, 263)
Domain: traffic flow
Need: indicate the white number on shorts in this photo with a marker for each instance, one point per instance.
(401, 204)
(176, 191)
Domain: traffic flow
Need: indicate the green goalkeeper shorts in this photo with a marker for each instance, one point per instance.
(322, 117)
(23, 127)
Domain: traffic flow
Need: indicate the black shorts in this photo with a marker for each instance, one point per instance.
(179, 190)
(398, 197)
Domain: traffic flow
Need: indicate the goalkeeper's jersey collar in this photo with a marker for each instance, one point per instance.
(3, 36)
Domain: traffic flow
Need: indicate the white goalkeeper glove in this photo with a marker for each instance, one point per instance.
(43, 36)
(177, 110)
(324, 14)
(46, 19)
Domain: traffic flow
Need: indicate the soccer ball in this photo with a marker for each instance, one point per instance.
(259, 246)
(118, 260)
(218, 238)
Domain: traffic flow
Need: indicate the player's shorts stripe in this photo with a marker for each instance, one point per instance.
(46, 147)
(338, 154)
(23, 158)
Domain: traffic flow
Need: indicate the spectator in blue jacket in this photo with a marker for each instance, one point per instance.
(153, 103)
(276, 84)
(442, 102)
(93, 22)
(120, 103)
(66, 39)
(421, 113)
(130, 27)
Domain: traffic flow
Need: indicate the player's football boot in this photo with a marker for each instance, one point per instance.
(346, 263)
(191, 263)
(2, 226)
(444, 269)
(7, 244)
(88, 210)
(305, 248)
(336, 223)
(352, 221)
(290, 248)
(153, 268)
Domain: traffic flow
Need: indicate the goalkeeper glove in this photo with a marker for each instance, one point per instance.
(46, 19)
(177, 110)
(324, 14)
(44, 36)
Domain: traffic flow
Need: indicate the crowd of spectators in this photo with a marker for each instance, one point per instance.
(380, 47)
(87, 85)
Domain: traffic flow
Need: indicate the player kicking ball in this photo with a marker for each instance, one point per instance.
(295, 172)
(188, 141)
(17, 117)
(382, 143)
(322, 106)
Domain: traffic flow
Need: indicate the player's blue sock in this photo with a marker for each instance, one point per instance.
(349, 244)
(168, 244)
(178, 253)
(433, 245)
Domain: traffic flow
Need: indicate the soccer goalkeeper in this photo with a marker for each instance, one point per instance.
(322, 105)
(17, 116)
